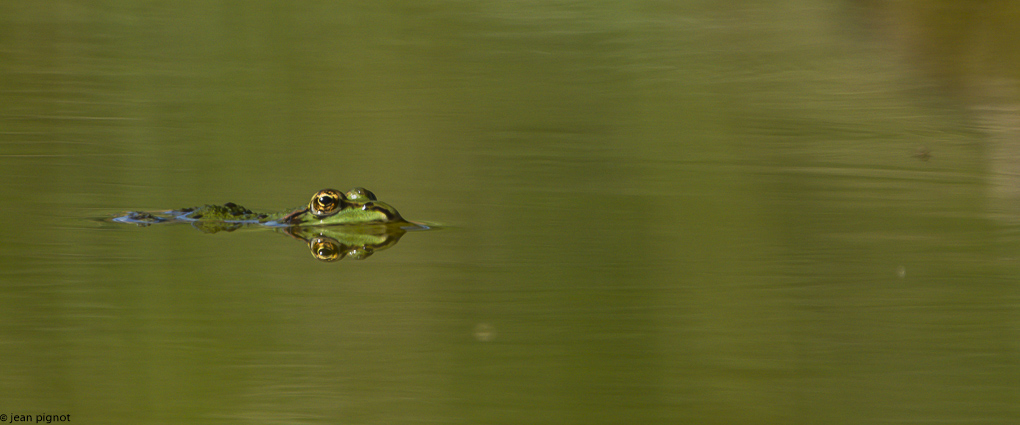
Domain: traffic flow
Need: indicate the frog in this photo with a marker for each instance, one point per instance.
(334, 224)
(328, 207)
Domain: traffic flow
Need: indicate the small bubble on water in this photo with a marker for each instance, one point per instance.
(484, 332)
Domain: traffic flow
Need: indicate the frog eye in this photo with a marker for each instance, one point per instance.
(325, 249)
(326, 203)
(360, 194)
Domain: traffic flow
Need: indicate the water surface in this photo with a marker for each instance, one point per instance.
(760, 212)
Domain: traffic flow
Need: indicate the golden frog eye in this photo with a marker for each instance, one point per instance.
(325, 249)
(326, 202)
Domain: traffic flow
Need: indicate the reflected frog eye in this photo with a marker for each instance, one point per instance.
(326, 203)
(325, 249)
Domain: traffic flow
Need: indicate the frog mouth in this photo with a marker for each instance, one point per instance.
(289, 218)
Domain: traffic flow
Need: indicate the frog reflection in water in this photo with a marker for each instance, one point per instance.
(334, 224)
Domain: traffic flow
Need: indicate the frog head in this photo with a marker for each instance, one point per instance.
(332, 207)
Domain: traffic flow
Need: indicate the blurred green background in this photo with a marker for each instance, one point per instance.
(656, 212)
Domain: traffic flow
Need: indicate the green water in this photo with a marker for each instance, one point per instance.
(654, 212)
